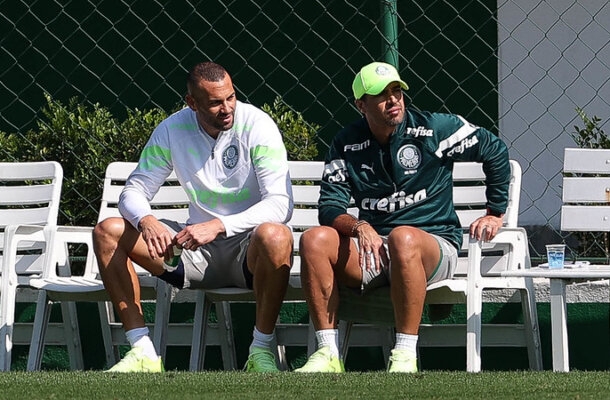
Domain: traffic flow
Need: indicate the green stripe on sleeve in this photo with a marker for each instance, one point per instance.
(268, 157)
(154, 156)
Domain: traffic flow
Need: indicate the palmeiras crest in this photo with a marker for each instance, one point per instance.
(230, 157)
(409, 157)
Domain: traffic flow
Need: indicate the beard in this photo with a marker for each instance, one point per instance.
(220, 123)
(396, 120)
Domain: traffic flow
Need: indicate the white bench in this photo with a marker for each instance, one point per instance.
(57, 284)
(170, 202)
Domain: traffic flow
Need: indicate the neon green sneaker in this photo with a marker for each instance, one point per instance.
(402, 361)
(135, 361)
(261, 360)
(322, 361)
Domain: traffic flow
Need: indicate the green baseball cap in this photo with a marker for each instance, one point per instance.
(374, 77)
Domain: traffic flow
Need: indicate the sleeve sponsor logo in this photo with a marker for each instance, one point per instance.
(462, 133)
(463, 145)
(335, 171)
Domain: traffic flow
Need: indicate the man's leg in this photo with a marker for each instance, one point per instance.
(415, 255)
(116, 242)
(269, 261)
(326, 260)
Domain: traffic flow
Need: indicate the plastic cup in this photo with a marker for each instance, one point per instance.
(556, 255)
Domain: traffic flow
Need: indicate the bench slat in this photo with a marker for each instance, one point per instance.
(586, 161)
(586, 189)
(585, 218)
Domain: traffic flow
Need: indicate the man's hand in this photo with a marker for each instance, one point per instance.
(196, 235)
(156, 236)
(372, 251)
(488, 224)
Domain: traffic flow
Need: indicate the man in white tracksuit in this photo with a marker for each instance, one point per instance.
(230, 159)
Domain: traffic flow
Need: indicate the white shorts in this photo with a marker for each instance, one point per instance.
(372, 278)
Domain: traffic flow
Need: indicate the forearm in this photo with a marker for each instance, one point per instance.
(348, 225)
(134, 206)
(272, 209)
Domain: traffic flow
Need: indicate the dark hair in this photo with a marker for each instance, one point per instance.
(206, 71)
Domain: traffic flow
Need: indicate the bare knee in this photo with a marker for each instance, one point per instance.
(107, 232)
(316, 240)
(413, 252)
(274, 240)
(405, 241)
(318, 236)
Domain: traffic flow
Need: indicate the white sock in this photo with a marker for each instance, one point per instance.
(262, 340)
(138, 337)
(406, 342)
(330, 338)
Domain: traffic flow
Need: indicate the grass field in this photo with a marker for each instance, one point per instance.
(354, 385)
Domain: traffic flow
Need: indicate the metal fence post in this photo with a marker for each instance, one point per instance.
(389, 23)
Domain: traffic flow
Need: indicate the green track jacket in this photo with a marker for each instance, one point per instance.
(410, 181)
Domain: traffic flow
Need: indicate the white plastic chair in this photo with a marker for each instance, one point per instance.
(29, 206)
(56, 286)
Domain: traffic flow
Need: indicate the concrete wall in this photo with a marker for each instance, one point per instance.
(554, 56)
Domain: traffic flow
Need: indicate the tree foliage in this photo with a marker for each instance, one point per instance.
(591, 136)
(299, 135)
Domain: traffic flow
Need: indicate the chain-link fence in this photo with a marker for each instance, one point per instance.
(518, 67)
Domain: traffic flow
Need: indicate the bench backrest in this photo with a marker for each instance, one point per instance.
(586, 190)
(29, 195)
(469, 193)
(470, 203)
(30, 192)
(170, 201)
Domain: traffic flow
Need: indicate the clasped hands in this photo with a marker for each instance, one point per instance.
(160, 242)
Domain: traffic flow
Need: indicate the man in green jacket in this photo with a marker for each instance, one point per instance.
(396, 163)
